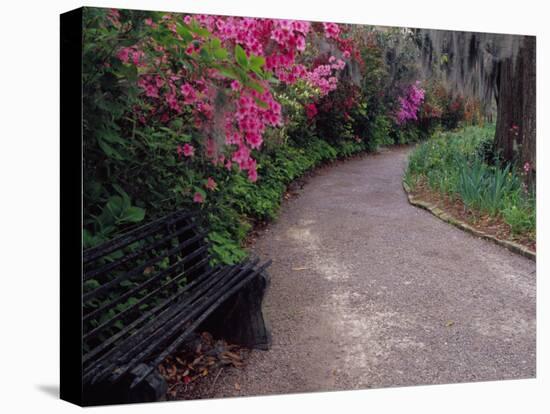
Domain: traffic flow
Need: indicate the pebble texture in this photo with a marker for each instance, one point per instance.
(369, 291)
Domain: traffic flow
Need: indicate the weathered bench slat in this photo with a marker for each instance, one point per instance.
(98, 272)
(146, 315)
(170, 349)
(154, 320)
(141, 268)
(177, 272)
(174, 269)
(131, 236)
(110, 322)
(157, 331)
(179, 322)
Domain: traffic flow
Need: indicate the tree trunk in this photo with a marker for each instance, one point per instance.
(515, 137)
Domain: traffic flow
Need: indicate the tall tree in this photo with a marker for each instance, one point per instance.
(516, 104)
(497, 69)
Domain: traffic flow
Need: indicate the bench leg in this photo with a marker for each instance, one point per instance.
(240, 319)
(152, 388)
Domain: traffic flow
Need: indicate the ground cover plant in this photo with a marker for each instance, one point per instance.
(461, 166)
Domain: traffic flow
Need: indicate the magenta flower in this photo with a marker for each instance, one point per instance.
(252, 172)
(198, 198)
(252, 175)
(210, 148)
(311, 111)
(235, 85)
(331, 30)
(211, 184)
(410, 104)
(189, 93)
(526, 167)
(186, 150)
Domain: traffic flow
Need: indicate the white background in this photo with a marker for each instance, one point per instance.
(29, 207)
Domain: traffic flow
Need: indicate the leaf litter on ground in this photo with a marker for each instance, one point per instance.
(200, 357)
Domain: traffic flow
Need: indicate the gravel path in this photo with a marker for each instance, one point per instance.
(368, 291)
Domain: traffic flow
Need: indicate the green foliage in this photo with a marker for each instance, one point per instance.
(380, 133)
(521, 219)
(454, 164)
(297, 128)
(117, 211)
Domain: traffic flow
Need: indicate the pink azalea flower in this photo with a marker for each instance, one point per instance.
(527, 167)
(252, 172)
(254, 140)
(211, 184)
(332, 30)
(124, 54)
(235, 85)
(210, 148)
(189, 93)
(198, 198)
(311, 111)
(188, 150)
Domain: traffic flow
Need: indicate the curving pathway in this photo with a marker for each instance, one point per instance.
(368, 291)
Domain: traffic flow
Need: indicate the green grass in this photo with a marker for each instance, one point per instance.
(453, 164)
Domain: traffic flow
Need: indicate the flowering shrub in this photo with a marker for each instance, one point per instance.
(409, 104)
(219, 113)
(216, 72)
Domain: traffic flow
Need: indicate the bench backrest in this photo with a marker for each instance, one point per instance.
(130, 280)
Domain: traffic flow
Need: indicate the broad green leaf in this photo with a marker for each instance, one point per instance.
(134, 214)
(255, 85)
(184, 32)
(256, 63)
(129, 72)
(228, 72)
(109, 150)
(240, 57)
(200, 31)
(215, 43)
(91, 284)
(220, 53)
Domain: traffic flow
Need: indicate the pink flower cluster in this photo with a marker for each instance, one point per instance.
(323, 77)
(186, 150)
(332, 30)
(185, 91)
(131, 54)
(311, 111)
(245, 127)
(410, 103)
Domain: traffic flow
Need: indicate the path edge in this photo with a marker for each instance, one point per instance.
(436, 211)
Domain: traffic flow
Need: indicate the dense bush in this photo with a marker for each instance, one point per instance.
(453, 163)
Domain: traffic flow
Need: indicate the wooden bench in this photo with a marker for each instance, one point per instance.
(146, 292)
